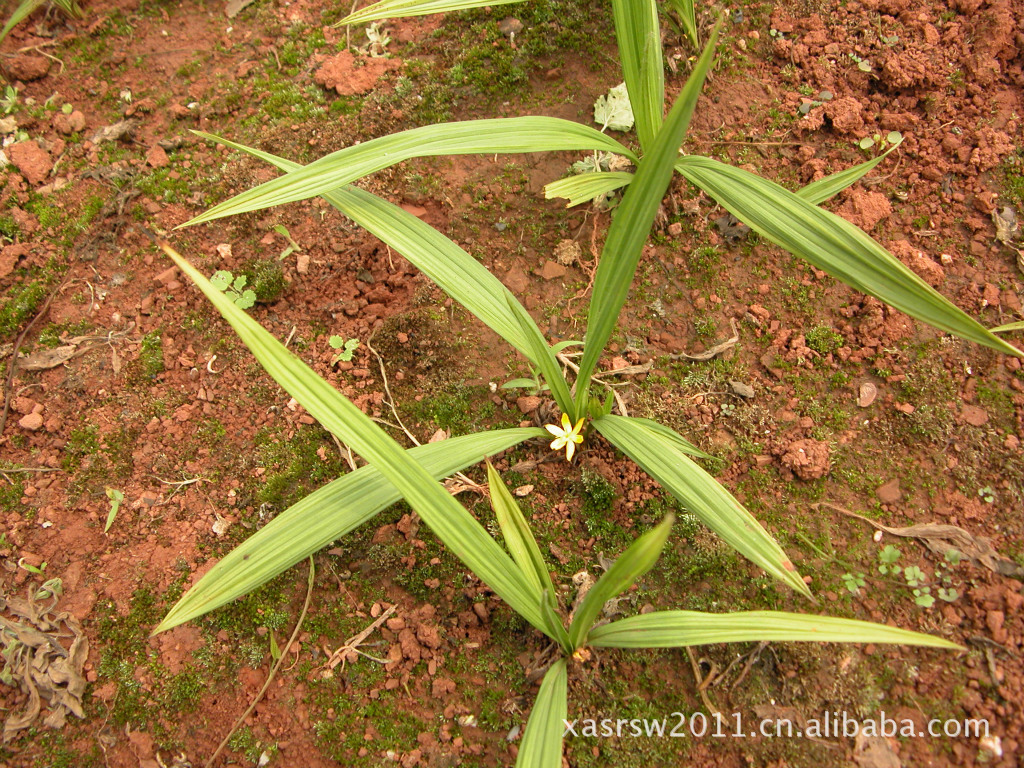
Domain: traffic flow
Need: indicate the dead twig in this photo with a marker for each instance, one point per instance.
(701, 684)
(274, 669)
(341, 655)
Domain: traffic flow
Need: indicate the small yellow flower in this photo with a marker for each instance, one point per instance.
(566, 436)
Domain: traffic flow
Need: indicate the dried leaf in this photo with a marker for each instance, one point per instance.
(234, 7)
(44, 359)
(941, 538)
(1007, 226)
(113, 132)
(867, 395)
(714, 351)
(34, 658)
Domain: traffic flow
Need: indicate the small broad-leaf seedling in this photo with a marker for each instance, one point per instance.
(234, 288)
(880, 142)
(347, 348)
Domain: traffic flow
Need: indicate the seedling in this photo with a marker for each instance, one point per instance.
(116, 497)
(879, 142)
(807, 106)
(853, 582)
(293, 247)
(347, 348)
(887, 559)
(987, 494)
(862, 64)
(9, 100)
(38, 570)
(234, 288)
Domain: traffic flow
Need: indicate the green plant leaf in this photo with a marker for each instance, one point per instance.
(613, 110)
(684, 8)
(633, 220)
(24, 9)
(675, 629)
(324, 516)
(543, 356)
(518, 536)
(503, 135)
(1018, 326)
(556, 629)
(586, 186)
(630, 566)
(397, 9)
(663, 459)
(821, 190)
(116, 497)
(542, 741)
(458, 529)
(457, 273)
(832, 244)
(638, 33)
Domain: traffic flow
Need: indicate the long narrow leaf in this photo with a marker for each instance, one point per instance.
(630, 566)
(675, 629)
(556, 629)
(542, 742)
(821, 190)
(586, 186)
(457, 273)
(638, 35)
(633, 221)
(397, 9)
(544, 358)
(504, 136)
(24, 9)
(518, 536)
(701, 494)
(688, 18)
(458, 529)
(323, 516)
(832, 244)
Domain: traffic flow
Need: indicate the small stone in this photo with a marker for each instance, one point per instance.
(528, 404)
(552, 270)
(516, 280)
(157, 157)
(866, 396)
(32, 160)
(27, 68)
(974, 415)
(31, 422)
(808, 459)
(741, 389)
(302, 263)
(889, 493)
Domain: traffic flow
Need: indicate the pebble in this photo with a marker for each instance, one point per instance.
(31, 422)
(889, 493)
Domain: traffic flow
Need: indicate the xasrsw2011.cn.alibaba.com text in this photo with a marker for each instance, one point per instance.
(719, 726)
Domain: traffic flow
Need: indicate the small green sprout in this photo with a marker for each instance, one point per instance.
(887, 559)
(914, 576)
(9, 100)
(987, 494)
(879, 141)
(234, 288)
(853, 582)
(116, 497)
(293, 247)
(347, 348)
(38, 570)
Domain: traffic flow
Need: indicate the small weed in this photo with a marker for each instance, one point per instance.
(824, 339)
